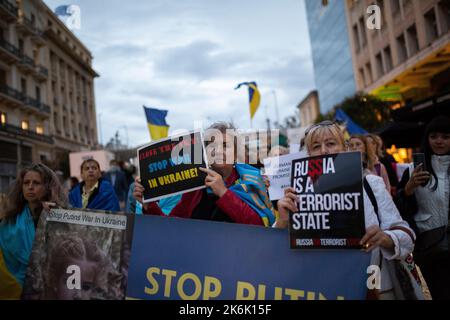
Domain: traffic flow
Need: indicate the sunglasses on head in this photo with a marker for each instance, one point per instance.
(326, 123)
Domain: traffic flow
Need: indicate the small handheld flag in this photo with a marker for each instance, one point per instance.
(254, 95)
(156, 120)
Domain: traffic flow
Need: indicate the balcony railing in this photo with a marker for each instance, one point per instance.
(36, 104)
(9, 47)
(9, 7)
(12, 93)
(43, 71)
(25, 133)
(27, 61)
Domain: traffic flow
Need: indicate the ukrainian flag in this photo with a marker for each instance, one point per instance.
(255, 96)
(156, 120)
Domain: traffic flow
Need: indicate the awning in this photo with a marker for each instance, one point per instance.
(425, 110)
(402, 134)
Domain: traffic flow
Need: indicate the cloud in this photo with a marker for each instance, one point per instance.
(188, 56)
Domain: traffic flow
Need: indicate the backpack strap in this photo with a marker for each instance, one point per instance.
(371, 196)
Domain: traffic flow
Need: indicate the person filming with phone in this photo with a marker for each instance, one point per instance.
(423, 199)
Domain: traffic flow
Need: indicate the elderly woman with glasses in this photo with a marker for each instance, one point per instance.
(386, 232)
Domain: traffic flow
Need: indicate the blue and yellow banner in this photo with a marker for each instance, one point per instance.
(203, 260)
(254, 96)
(156, 121)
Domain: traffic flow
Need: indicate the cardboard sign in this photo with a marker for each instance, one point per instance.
(330, 202)
(79, 254)
(204, 260)
(278, 171)
(171, 166)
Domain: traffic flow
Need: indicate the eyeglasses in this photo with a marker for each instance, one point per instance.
(326, 123)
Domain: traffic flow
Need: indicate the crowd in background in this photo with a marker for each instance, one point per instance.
(403, 215)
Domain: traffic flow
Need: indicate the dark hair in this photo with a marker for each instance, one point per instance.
(87, 161)
(54, 192)
(439, 124)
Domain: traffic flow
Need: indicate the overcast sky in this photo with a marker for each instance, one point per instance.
(187, 57)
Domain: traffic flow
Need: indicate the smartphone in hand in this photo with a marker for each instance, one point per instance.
(419, 159)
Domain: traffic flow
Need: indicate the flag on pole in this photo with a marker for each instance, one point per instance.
(156, 121)
(351, 126)
(254, 95)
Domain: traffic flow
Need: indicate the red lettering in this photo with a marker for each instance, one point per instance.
(315, 169)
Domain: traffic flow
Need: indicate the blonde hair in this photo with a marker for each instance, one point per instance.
(369, 158)
(379, 143)
(320, 129)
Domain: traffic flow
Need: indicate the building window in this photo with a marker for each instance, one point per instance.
(395, 7)
(379, 61)
(444, 15)
(401, 48)
(388, 59)
(23, 85)
(362, 28)
(412, 40)
(380, 3)
(362, 77)
(3, 118)
(25, 125)
(39, 129)
(356, 38)
(369, 73)
(21, 47)
(431, 25)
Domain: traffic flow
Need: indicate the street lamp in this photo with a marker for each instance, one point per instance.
(276, 106)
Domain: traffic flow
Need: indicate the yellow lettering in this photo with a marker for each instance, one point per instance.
(245, 287)
(197, 285)
(155, 287)
(295, 294)
(169, 275)
(261, 292)
(208, 292)
(278, 293)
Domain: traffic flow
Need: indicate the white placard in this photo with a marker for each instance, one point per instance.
(278, 171)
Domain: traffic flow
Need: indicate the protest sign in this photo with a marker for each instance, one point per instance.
(204, 260)
(278, 171)
(79, 254)
(171, 166)
(330, 202)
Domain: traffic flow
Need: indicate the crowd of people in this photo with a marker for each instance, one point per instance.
(402, 216)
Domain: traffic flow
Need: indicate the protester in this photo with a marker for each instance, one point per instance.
(277, 151)
(361, 143)
(383, 162)
(93, 192)
(73, 182)
(118, 180)
(95, 268)
(235, 192)
(34, 186)
(386, 232)
(423, 198)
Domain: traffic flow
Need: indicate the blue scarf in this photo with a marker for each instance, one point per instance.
(251, 189)
(16, 242)
(105, 199)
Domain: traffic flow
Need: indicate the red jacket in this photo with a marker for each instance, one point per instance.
(230, 204)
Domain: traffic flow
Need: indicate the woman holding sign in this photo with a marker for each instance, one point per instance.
(235, 192)
(386, 232)
(423, 197)
(34, 186)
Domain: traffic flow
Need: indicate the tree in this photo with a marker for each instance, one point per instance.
(369, 112)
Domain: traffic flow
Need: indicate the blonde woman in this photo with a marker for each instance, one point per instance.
(375, 143)
(386, 232)
(370, 160)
